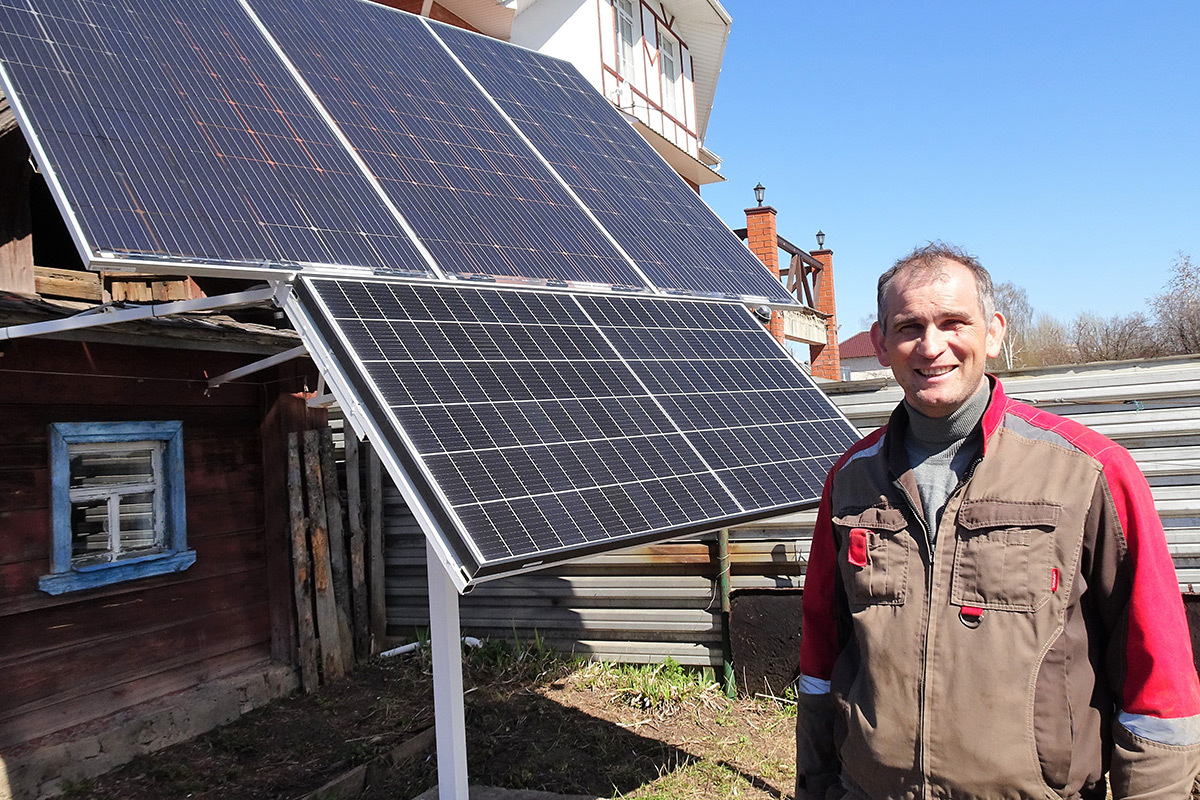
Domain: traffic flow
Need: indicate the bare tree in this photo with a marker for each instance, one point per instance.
(1013, 302)
(1177, 308)
(1095, 338)
(1047, 343)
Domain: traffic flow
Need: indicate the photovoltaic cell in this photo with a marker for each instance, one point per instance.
(655, 217)
(545, 424)
(756, 418)
(175, 132)
(474, 192)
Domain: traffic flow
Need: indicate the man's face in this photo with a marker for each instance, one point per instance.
(937, 341)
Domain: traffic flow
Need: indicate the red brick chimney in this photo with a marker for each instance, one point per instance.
(824, 358)
(763, 239)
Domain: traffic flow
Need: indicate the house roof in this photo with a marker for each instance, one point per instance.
(857, 346)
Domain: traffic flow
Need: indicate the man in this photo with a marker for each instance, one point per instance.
(990, 610)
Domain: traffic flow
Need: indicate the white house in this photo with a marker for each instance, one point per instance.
(657, 62)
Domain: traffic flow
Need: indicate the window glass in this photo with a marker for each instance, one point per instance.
(668, 54)
(625, 38)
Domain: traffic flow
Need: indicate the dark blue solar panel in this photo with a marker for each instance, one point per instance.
(175, 132)
(476, 195)
(745, 405)
(655, 217)
(545, 424)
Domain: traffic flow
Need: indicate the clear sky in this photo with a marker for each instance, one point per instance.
(1059, 142)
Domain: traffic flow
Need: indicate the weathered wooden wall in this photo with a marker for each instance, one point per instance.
(78, 656)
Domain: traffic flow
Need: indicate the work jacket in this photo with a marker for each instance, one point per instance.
(1001, 660)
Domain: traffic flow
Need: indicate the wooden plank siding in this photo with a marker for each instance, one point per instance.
(650, 602)
(78, 656)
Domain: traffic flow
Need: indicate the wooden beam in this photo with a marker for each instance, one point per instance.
(145, 288)
(328, 633)
(302, 583)
(358, 571)
(339, 568)
(71, 283)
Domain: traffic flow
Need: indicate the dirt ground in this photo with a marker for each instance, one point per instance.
(533, 722)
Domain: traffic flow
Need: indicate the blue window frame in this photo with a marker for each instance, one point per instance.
(117, 503)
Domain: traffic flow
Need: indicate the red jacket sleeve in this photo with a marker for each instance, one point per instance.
(819, 638)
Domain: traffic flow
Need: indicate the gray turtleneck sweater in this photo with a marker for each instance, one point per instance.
(940, 449)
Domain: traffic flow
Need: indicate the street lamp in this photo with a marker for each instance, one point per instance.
(820, 240)
(759, 191)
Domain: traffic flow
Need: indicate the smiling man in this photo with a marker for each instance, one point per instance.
(990, 610)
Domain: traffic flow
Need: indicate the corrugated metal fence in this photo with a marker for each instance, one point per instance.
(646, 603)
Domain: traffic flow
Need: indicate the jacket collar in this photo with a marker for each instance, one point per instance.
(897, 427)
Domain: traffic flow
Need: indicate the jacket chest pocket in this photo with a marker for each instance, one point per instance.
(1004, 555)
(873, 553)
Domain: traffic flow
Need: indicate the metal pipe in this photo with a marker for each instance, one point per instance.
(266, 363)
(727, 676)
(109, 316)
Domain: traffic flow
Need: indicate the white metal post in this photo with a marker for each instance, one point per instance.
(449, 717)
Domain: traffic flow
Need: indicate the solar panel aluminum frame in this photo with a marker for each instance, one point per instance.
(369, 417)
(364, 425)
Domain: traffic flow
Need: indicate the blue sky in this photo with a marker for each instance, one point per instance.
(1059, 142)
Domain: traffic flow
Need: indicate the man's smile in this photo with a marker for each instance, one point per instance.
(933, 372)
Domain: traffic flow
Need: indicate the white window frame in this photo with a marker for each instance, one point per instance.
(627, 48)
(70, 573)
(670, 63)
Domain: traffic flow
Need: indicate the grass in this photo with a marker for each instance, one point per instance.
(663, 687)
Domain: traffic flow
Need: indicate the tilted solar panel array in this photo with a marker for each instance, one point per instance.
(663, 225)
(548, 425)
(475, 195)
(529, 424)
(295, 132)
(175, 132)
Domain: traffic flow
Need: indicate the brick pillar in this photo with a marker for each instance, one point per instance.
(763, 239)
(824, 358)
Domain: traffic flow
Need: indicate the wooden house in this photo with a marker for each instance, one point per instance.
(144, 564)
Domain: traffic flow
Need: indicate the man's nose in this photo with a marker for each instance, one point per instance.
(931, 342)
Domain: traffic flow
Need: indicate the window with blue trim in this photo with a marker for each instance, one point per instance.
(117, 503)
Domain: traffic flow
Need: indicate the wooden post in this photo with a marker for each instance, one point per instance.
(328, 633)
(337, 548)
(358, 571)
(288, 413)
(375, 552)
(302, 584)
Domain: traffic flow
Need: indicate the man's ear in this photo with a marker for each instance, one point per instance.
(995, 334)
(877, 342)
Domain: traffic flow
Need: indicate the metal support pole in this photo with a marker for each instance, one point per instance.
(449, 717)
(728, 680)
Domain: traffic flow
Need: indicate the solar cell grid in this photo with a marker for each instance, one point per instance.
(745, 405)
(656, 218)
(543, 421)
(476, 195)
(174, 132)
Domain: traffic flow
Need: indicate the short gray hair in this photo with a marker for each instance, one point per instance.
(926, 259)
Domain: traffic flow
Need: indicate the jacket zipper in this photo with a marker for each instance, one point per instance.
(920, 516)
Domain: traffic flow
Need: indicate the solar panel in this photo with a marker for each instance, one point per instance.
(541, 425)
(655, 217)
(529, 425)
(476, 195)
(172, 131)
